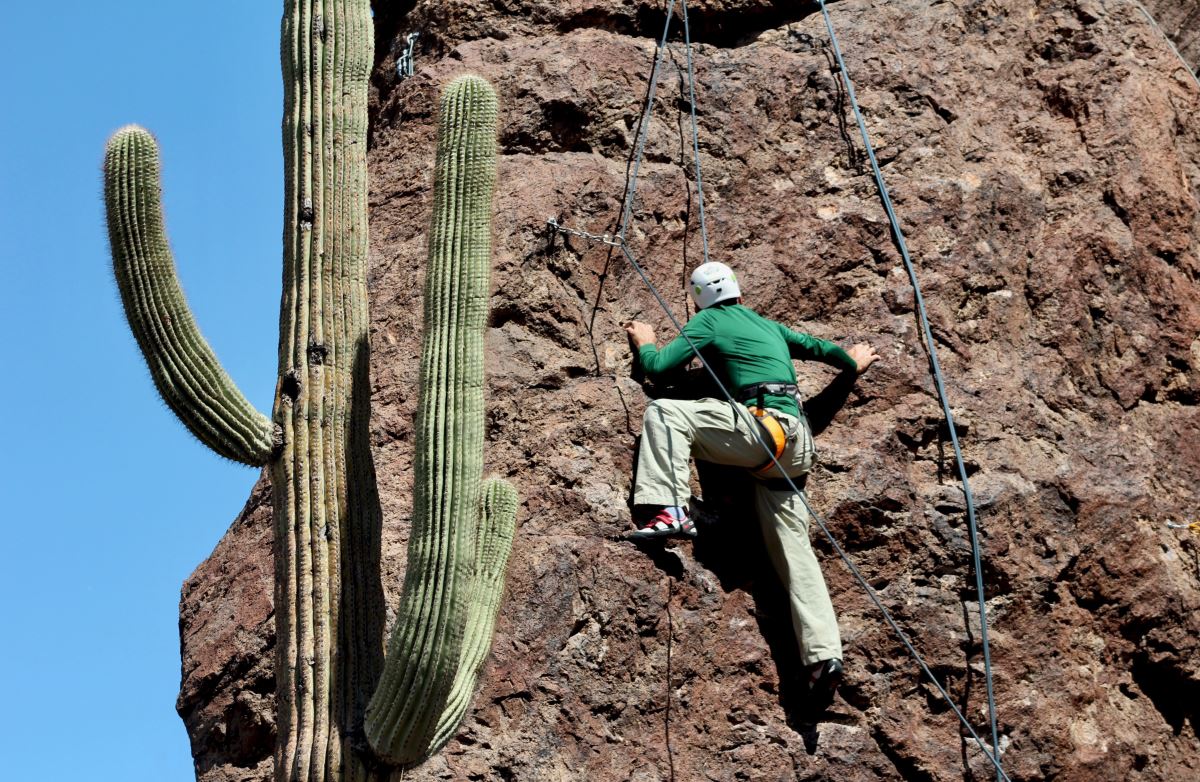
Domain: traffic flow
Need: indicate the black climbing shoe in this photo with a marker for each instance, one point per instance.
(702, 514)
(823, 680)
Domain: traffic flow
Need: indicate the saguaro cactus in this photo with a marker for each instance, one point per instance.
(328, 600)
(402, 717)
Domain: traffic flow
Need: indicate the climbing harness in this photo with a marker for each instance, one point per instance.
(1154, 23)
(770, 431)
(619, 241)
(758, 390)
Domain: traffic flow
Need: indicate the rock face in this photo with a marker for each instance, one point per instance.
(1045, 160)
(1180, 21)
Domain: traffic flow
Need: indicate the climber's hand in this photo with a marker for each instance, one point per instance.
(864, 355)
(640, 333)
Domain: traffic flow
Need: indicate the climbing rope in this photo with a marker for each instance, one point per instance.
(687, 42)
(644, 128)
(937, 372)
(619, 241)
(1154, 23)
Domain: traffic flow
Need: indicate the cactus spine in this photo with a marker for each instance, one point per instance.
(328, 599)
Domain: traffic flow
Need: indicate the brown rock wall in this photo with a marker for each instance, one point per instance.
(1181, 22)
(1045, 165)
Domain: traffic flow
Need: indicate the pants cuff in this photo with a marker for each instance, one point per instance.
(666, 501)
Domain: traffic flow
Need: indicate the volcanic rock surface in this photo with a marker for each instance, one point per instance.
(1180, 21)
(1044, 158)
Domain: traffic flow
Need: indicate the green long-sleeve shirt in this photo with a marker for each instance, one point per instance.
(745, 348)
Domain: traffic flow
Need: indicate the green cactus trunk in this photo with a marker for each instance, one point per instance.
(328, 619)
(328, 599)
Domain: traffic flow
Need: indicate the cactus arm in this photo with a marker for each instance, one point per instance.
(498, 511)
(186, 372)
(426, 645)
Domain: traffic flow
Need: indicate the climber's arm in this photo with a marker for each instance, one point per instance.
(806, 347)
(675, 353)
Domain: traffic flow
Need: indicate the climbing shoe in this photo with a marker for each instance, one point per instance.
(663, 524)
(823, 680)
(687, 527)
(703, 515)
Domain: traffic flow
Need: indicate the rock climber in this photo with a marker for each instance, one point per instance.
(752, 356)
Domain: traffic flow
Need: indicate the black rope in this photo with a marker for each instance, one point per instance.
(939, 381)
(687, 42)
(644, 130)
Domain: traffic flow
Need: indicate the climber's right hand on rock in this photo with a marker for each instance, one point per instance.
(864, 355)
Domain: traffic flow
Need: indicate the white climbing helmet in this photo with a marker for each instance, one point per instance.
(713, 282)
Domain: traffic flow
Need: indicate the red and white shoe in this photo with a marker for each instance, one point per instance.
(662, 525)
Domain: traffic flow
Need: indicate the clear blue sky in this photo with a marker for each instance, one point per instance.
(108, 503)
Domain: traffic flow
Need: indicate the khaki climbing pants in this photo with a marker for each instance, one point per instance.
(674, 430)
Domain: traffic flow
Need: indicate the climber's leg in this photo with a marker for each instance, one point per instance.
(785, 519)
(784, 522)
(673, 430)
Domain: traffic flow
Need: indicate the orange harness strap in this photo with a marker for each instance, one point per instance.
(774, 435)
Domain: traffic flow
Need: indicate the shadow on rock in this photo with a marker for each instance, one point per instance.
(822, 408)
(730, 545)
